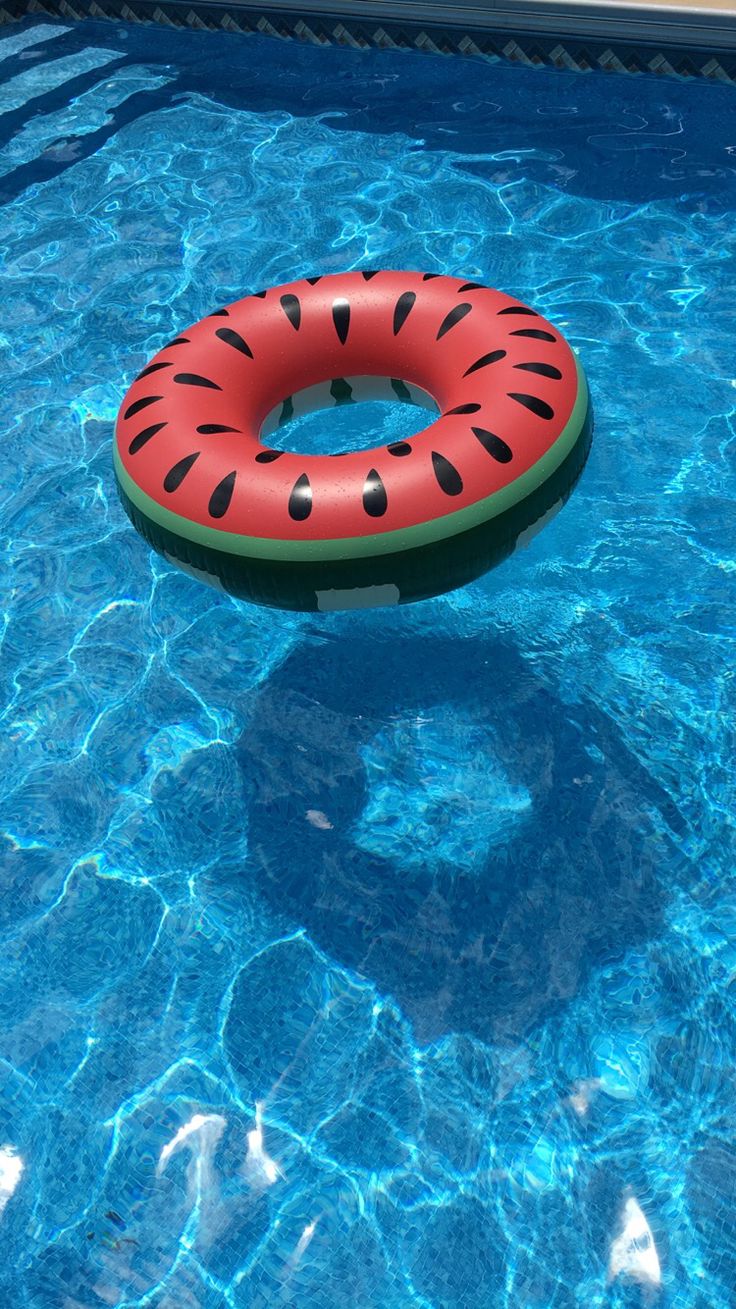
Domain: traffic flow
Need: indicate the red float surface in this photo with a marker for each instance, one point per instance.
(281, 358)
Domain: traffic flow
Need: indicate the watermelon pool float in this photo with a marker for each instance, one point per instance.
(385, 525)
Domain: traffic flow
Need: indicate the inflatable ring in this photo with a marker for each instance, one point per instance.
(386, 525)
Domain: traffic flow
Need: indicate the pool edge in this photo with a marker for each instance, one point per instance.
(667, 40)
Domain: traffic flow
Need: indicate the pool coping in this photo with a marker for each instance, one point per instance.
(672, 24)
(583, 36)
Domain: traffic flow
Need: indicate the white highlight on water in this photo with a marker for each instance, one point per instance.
(259, 1168)
(582, 1094)
(202, 1134)
(633, 1253)
(11, 1171)
(303, 1242)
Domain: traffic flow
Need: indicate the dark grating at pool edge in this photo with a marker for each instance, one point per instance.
(595, 48)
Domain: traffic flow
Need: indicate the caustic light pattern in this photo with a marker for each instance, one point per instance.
(384, 959)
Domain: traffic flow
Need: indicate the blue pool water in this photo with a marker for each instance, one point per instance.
(378, 960)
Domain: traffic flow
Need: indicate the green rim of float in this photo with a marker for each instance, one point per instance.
(344, 549)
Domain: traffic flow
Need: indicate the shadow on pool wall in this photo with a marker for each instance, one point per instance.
(486, 944)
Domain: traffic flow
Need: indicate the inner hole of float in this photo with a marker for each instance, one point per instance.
(348, 413)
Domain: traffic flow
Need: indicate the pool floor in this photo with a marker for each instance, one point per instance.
(376, 960)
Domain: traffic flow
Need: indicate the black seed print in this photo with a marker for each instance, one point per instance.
(300, 500)
(401, 389)
(462, 409)
(454, 317)
(180, 340)
(399, 448)
(496, 448)
(152, 368)
(368, 276)
(234, 339)
(221, 496)
(447, 475)
(375, 500)
(536, 333)
(259, 295)
(137, 405)
(341, 392)
(313, 280)
(194, 379)
(532, 402)
(287, 411)
(518, 309)
(491, 358)
(544, 370)
(268, 456)
(472, 286)
(220, 313)
(212, 429)
(404, 306)
(429, 276)
(176, 475)
(293, 310)
(341, 318)
(140, 440)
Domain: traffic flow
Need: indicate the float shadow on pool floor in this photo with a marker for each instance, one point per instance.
(440, 823)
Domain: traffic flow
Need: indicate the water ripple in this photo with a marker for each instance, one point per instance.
(376, 959)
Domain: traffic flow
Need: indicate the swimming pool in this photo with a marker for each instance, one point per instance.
(379, 959)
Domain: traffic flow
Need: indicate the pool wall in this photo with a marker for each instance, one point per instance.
(667, 40)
